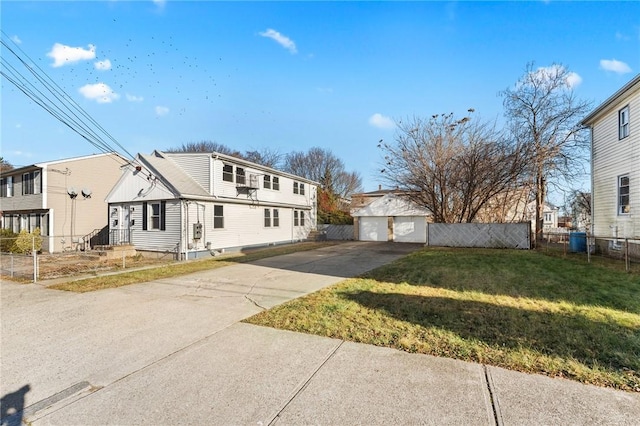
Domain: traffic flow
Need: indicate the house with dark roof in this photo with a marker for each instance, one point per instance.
(191, 205)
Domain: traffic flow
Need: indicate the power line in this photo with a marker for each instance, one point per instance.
(53, 99)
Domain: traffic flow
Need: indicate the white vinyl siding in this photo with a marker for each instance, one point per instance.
(612, 158)
(166, 240)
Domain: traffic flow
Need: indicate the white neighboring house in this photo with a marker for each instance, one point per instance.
(200, 204)
(549, 217)
(615, 164)
(391, 217)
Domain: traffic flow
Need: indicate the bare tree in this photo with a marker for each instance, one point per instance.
(454, 167)
(5, 165)
(322, 166)
(544, 115)
(206, 146)
(580, 208)
(265, 156)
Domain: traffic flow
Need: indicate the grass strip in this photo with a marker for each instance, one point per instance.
(113, 280)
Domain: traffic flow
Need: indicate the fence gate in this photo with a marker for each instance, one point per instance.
(487, 235)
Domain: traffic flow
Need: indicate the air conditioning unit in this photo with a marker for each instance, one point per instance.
(253, 181)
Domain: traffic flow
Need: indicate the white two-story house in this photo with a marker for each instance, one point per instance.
(615, 165)
(199, 204)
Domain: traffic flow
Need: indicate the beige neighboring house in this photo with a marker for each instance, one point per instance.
(64, 198)
(615, 165)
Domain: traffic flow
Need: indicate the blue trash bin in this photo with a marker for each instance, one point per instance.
(578, 242)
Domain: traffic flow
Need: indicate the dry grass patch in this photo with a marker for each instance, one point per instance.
(120, 279)
(514, 309)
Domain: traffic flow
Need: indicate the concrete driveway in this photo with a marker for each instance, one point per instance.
(173, 352)
(58, 343)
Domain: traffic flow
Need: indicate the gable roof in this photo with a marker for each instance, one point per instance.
(391, 205)
(172, 175)
(589, 119)
(45, 164)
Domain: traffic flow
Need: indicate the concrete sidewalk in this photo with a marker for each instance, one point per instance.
(252, 375)
(173, 351)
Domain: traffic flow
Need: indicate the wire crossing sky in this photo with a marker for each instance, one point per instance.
(135, 76)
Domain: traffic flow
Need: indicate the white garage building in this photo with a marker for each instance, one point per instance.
(391, 218)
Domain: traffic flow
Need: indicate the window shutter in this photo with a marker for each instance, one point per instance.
(163, 214)
(144, 216)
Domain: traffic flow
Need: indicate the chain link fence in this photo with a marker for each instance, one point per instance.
(35, 266)
(619, 253)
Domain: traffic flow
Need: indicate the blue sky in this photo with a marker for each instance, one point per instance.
(294, 75)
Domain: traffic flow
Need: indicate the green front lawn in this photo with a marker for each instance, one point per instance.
(520, 310)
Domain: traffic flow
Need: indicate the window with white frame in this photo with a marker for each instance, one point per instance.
(227, 173)
(276, 183)
(276, 218)
(266, 182)
(623, 195)
(302, 189)
(240, 176)
(295, 188)
(154, 215)
(6, 186)
(218, 217)
(623, 122)
(31, 182)
(267, 218)
(298, 218)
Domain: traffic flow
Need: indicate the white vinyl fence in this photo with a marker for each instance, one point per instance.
(487, 235)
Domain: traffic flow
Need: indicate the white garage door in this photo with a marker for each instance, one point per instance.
(409, 229)
(373, 229)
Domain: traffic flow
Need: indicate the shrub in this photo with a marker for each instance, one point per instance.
(27, 241)
(7, 239)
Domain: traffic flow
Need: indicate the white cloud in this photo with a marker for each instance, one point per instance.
(380, 121)
(614, 65)
(160, 3)
(64, 55)
(99, 92)
(102, 65)
(622, 37)
(16, 39)
(162, 110)
(572, 79)
(281, 39)
(133, 98)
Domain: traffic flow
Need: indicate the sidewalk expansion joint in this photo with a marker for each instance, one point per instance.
(303, 384)
(255, 303)
(497, 416)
